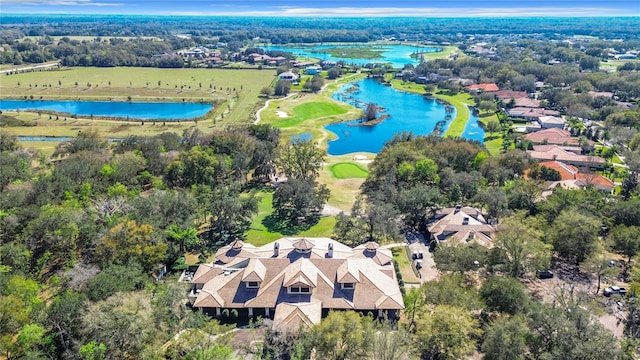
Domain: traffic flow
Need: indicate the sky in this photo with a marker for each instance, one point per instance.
(331, 8)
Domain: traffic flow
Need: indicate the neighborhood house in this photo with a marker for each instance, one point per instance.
(297, 281)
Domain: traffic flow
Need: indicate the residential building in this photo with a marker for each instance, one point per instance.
(555, 136)
(297, 281)
(482, 87)
(288, 75)
(531, 114)
(548, 122)
(554, 152)
(571, 177)
(460, 225)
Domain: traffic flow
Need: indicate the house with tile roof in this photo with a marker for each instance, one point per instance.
(572, 178)
(530, 113)
(460, 225)
(554, 136)
(482, 87)
(557, 153)
(297, 281)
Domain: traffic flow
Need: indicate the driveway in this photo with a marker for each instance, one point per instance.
(417, 242)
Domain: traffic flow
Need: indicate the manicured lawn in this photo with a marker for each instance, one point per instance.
(494, 145)
(311, 110)
(460, 102)
(616, 159)
(259, 235)
(345, 170)
(406, 270)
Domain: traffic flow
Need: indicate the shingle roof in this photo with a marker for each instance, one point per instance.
(461, 225)
(559, 154)
(367, 266)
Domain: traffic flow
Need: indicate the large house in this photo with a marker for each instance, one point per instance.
(558, 153)
(555, 136)
(571, 177)
(297, 281)
(460, 225)
(530, 113)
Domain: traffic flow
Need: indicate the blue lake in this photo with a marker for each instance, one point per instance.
(397, 55)
(473, 130)
(132, 110)
(406, 111)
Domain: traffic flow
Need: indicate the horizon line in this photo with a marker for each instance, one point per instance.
(328, 16)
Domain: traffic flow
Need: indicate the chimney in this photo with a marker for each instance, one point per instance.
(276, 249)
(457, 209)
(330, 251)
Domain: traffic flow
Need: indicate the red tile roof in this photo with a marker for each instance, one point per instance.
(483, 87)
(567, 172)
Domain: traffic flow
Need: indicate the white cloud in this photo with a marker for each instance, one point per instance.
(414, 12)
(60, 3)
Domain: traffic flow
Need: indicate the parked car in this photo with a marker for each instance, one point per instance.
(614, 290)
(544, 274)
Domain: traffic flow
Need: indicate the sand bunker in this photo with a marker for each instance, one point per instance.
(282, 114)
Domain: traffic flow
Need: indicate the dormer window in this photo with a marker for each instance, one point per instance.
(347, 286)
(299, 290)
(252, 284)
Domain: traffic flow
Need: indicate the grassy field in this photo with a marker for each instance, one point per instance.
(347, 170)
(237, 91)
(141, 84)
(307, 113)
(612, 65)
(260, 235)
(401, 257)
(444, 53)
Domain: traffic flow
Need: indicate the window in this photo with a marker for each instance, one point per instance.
(299, 290)
(253, 284)
(348, 286)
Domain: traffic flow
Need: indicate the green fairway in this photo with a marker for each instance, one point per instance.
(346, 170)
(259, 235)
(311, 110)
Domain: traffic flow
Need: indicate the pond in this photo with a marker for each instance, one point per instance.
(473, 130)
(405, 111)
(133, 110)
(397, 55)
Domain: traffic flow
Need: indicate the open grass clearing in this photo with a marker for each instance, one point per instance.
(347, 170)
(259, 235)
(406, 270)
